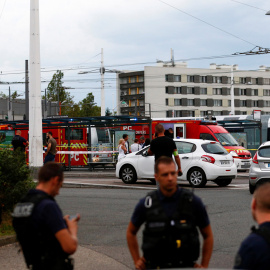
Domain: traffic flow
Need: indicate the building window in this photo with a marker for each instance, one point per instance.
(266, 103)
(243, 80)
(203, 79)
(177, 113)
(216, 113)
(189, 114)
(166, 78)
(216, 91)
(243, 92)
(177, 78)
(141, 78)
(177, 90)
(190, 102)
(166, 101)
(190, 90)
(203, 91)
(167, 90)
(216, 79)
(123, 80)
(254, 92)
(203, 113)
(266, 81)
(243, 103)
(243, 113)
(266, 92)
(255, 103)
(203, 102)
(217, 102)
(190, 78)
(177, 102)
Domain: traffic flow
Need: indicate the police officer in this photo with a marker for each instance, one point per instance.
(18, 142)
(171, 216)
(46, 237)
(254, 252)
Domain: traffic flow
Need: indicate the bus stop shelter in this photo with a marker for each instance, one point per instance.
(86, 122)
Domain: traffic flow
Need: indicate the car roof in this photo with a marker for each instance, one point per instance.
(198, 141)
(265, 144)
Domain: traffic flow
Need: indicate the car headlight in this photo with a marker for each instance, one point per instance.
(234, 154)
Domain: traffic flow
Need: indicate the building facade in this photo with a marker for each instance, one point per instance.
(178, 91)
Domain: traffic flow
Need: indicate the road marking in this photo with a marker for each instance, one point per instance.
(239, 186)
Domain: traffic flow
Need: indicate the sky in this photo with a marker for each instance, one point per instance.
(132, 33)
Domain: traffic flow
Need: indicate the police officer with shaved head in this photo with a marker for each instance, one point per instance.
(171, 216)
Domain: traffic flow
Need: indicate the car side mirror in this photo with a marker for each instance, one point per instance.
(145, 154)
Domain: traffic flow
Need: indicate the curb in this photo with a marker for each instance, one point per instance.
(83, 185)
(6, 240)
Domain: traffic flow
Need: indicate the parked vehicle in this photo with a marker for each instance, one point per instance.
(201, 161)
(260, 167)
(199, 129)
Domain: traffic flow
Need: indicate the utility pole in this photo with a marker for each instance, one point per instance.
(9, 105)
(45, 105)
(26, 91)
(35, 115)
(172, 57)
(232, 93)
(102, 71)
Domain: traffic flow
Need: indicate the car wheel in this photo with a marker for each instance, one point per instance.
(128, 174)
(251, 188)
(223, 182)
(196, 177)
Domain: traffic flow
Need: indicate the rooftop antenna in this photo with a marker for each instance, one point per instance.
(172, 57)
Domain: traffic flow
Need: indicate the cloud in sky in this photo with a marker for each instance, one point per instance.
(130, 31)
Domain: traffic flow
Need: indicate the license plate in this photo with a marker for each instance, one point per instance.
(225, 162)
(247, 165)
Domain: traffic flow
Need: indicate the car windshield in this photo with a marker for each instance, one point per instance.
(226, 139)
(214, 148)
(264, 152)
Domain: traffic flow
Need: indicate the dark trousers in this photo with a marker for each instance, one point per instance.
(49, 157)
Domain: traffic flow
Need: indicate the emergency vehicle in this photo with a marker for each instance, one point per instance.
(198, 129)
(72, 143)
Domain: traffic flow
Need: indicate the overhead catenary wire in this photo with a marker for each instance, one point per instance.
(218, 28)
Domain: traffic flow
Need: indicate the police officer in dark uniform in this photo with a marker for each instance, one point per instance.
(46, 237)
(254, 252)
(171, 216)
(18, 142)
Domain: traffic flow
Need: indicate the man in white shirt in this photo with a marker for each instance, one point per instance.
(135, 147)
(125, 137)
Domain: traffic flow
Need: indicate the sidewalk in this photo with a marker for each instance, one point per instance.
(85, 259)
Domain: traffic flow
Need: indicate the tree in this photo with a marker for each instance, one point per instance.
(13, 95)
(57, 92)
(108, 112)
(89, 107)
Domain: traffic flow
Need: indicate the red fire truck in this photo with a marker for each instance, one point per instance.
(198, 129)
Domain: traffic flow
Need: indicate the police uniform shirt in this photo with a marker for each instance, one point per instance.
(170, 205)
(18, 141)
(254, 252)
(48, 214)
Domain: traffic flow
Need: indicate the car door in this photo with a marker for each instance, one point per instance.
(145, 165)
(185, 151)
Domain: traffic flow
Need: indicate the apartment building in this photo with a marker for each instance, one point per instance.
(178, 91)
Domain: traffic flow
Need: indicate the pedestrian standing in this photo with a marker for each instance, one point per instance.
(164, 146)
(125, 137)
(142, 141)
(51, 148)
(254, 252)
(121, 149)
(46, 237)
(135, 147)
(171, 216)
(18, 142)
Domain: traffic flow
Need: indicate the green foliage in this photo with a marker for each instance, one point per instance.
(15, 179)
(89, 107)
(108, 112)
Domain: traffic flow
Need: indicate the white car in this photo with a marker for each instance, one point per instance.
(201, 161)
